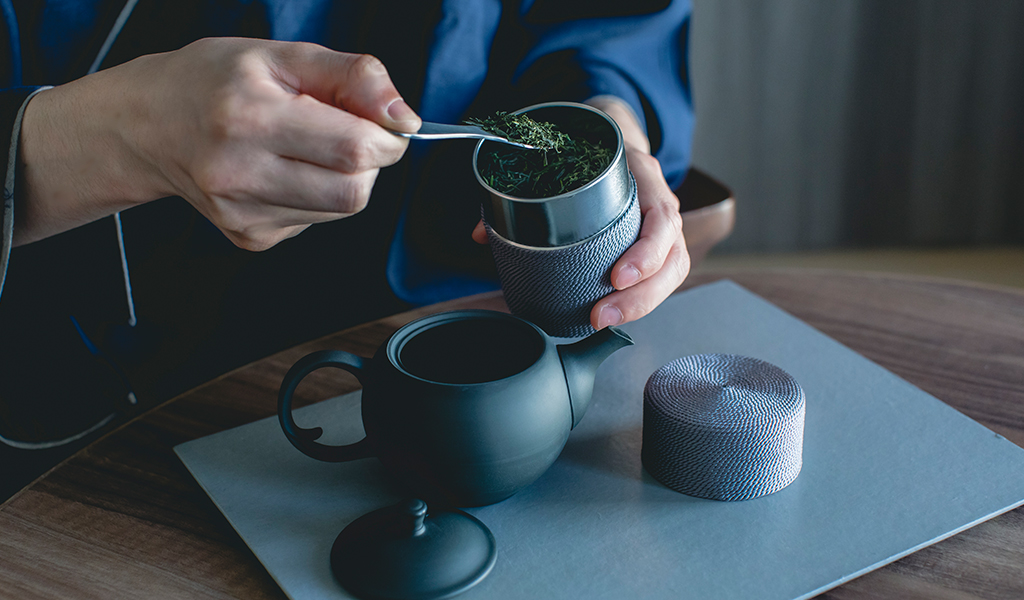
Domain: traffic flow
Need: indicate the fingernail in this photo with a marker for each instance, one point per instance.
(609, 315)
(400, 112)
(627, 277)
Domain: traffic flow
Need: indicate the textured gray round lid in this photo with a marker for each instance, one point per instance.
(723, 426)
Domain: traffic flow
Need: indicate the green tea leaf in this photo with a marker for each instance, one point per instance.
(559, 164)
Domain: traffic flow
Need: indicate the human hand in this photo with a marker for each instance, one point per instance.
(263, 138)
(658, 262)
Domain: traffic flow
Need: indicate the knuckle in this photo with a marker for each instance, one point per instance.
(392, 151)
(214, 181)
(354, 195)
(644, 257)
(254, 243)
(667, 213)
(679, 262)
(249, 235)
(207, 47)
(243, 241)
(293, 231)
(249, 60)
(360, 196)
(672, 200)
(367, 65)
(304, 102)
(233, 118)
(639, 307)
(228, 221)
(226, 177)
(651, 263)
(219, 123)
(298, 51)
(356, 154)
(675, 218)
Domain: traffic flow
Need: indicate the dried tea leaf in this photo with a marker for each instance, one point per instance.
(559, 164)
(524, 130)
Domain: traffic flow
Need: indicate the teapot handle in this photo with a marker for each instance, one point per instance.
(303, 439)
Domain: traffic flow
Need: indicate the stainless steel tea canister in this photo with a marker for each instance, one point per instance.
(554, 255)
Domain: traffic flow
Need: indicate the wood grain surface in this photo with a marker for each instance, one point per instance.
(124, 519)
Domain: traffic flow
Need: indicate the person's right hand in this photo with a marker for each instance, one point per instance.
(263, 138)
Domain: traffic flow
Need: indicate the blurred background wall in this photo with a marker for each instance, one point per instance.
(863, 123)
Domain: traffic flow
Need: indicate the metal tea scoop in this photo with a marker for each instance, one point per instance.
(443, 131)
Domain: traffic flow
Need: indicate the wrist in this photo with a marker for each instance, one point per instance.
(76, 162)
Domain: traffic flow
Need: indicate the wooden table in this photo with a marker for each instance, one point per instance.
(124, 519)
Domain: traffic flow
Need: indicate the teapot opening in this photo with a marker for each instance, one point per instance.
(470, 350)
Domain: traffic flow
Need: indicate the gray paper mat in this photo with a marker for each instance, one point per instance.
(888, 469)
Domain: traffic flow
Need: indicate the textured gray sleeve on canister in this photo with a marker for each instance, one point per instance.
(723, 427)
(556, 288)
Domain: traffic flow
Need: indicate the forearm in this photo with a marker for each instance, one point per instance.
(77, 164)
(263, 138)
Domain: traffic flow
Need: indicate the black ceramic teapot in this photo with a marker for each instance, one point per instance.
(464, 407)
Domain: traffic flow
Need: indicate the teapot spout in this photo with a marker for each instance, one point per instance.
(580, 361)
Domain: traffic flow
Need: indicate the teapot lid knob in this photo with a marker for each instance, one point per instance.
(406, 551)
(417, 510)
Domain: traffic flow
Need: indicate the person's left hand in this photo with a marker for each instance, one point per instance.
(657, 263)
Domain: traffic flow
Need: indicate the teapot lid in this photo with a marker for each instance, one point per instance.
(405, 552)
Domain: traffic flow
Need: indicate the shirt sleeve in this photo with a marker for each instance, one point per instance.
(636, 52)
(12, 108)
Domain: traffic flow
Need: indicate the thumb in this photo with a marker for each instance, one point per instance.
(356, 83)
